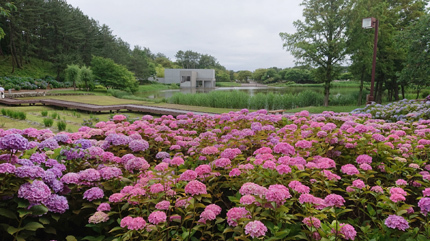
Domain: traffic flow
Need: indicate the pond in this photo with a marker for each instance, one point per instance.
(250, 90)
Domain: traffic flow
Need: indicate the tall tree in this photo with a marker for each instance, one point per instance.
(320, 39)
(416, 39)
(141, 65)
(73, 74)
(113, 75)
(5, 9)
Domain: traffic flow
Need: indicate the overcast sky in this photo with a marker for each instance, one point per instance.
(240, 34)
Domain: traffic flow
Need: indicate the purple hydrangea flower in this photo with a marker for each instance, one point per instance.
(110, 172)
(50, 144)
(162, 155)
(62, 138)
(35, 192)
(93, 194)
(38, 158)
(82, 144)
(56, 203)
(90, 175)
(14, 142)
(138, 145)
(73, 153)
(31, 172)
(7, 168)
(70, 178)
(394, 221)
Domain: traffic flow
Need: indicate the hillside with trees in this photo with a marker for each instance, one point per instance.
(57, 34)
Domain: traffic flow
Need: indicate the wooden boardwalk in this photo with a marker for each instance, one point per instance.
(99, 108)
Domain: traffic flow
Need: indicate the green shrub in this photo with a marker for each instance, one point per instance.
(3, 111)
(61, 125)
(22, 115)
(48, 122)
(54, 115)
(44, 113)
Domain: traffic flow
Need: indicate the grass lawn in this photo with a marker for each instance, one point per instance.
(227, 84)
(73, 118)
(320, 109)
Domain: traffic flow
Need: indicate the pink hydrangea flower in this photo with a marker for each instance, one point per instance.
(377, 189)
(236, 213)
(210, 150)
(177, 161)
(304, 144)
(156, 188)
(358, 184)
(255, 229)
(203, 169)
(234, 172)
(284, 148)
(157, 217)
(398, 190)
(207, 215)
(349, 169)
(365, 167)
(364, 159)
(188, 175)
(401, 182)
(277, 193)
(397, 197)
(195, 188)
(426, 192)
(222, 163)
(247, 199)
(334, 200)
(163, 205)
(133, 223)
(214, 208)
(347, 231)
(312, 222)
(283, 169)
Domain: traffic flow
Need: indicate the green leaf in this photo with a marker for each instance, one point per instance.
(50, 230)
(33, 226)
(91, 238)
(8, 213)
(71, 238)
(371, 211)
(115, 229)
(44, 220)
(38, 210)
(23, 212)
(12, 230)
(19, 238)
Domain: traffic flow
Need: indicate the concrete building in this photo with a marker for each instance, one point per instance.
(190, 78)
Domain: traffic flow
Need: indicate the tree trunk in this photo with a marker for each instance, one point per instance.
(403, 91)
(360, 94)
(326, 93)
(380, 91)
(396, 91)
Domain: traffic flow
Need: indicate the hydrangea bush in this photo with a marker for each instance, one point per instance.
(403, 110)
(233, 176)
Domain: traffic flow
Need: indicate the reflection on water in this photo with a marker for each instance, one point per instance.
(250, 90)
